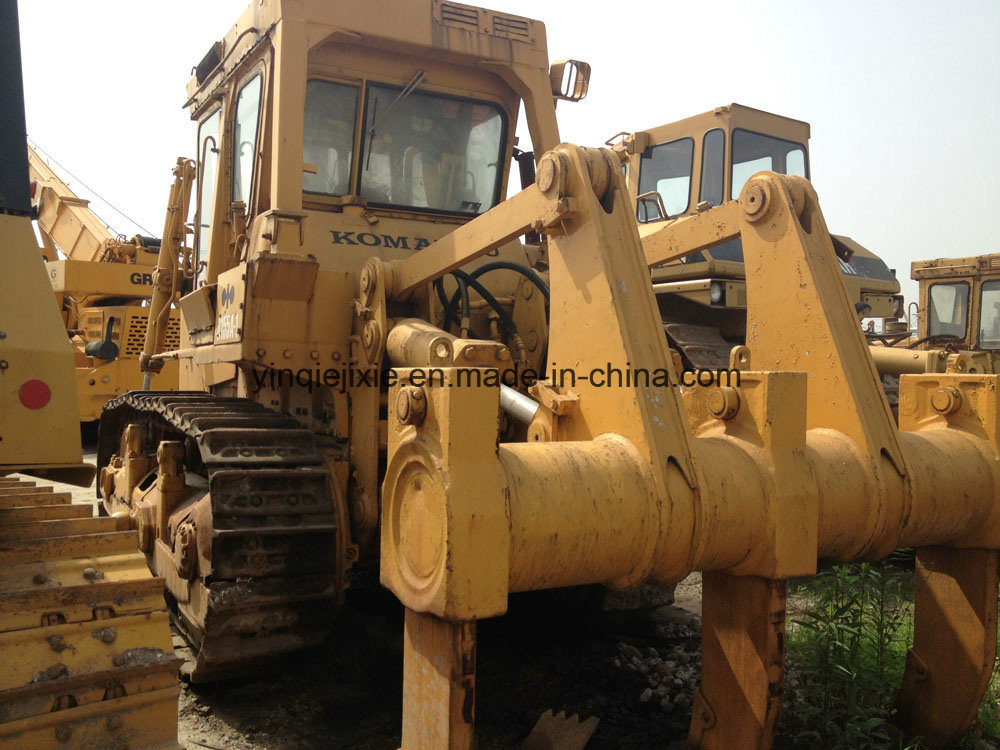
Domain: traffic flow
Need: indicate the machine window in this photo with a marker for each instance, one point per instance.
(245, 138)
(431, 151)
(949, 311)
(713, 166)
(989, 315)
(328, 136)
(753, 152)
(208, 163)
(666, 168)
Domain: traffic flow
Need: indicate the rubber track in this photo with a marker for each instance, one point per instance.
(274, 584)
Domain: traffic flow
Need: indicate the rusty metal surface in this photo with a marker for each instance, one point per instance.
(560, 732)
(439, 683)
(703, 346)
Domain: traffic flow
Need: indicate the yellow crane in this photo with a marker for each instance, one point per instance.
(102, 285)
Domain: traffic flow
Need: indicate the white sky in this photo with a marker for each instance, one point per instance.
(902, 97)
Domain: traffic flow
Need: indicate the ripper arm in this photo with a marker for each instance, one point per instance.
(751, 483)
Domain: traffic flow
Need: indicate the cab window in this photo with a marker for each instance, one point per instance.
(713, 166)
(245, 138)
(208, 162)
(989, 315)
(666, 168)
(754, 152)
(431, 151)
(328, 137)
(949, 309)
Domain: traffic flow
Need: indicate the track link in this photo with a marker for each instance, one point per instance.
(84, 634)
(271, 569)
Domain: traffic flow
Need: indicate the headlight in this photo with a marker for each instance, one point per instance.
(715, 293)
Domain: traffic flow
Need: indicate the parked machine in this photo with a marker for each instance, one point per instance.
(351, 175)
(326, 134)
(959, 302)
(751, 482)
(687, 167)
(101, 285)
(85, 644)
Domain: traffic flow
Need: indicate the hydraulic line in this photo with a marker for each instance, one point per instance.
(502, 313)
(528, 273)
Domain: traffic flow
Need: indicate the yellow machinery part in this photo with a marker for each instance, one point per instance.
(84, 636)
(750, 483)
(36, 363)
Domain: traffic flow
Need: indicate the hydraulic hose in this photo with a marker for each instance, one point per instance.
(528, 273)
(448, 307)
(504, 316)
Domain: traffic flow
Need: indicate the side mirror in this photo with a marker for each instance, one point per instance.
(570, 79)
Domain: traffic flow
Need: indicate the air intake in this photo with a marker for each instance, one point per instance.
(465, 16)
(510, 27)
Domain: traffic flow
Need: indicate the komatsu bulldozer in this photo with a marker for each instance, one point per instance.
(329, 133)
(86, 654)
(101, 283)
(685, 168)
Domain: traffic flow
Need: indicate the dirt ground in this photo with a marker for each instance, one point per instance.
(547, 653)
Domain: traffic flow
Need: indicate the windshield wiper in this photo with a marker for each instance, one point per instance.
(370, 134)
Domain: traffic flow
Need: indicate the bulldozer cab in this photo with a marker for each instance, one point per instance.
(959, 301)
(689, 166)
(328, 127)
(702, 161)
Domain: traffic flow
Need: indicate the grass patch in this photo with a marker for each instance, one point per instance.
(847, 634)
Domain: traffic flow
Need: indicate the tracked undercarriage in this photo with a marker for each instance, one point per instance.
(237, 511)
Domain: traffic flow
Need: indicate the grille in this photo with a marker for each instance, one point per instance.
(135, 335)
(459, 15)
(512, 27)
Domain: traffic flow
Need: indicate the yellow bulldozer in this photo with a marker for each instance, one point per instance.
(101, 283)
(326, 134)
(343, 400)
(957, 327)
(85, 643)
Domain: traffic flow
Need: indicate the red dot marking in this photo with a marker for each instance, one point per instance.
(35, 394)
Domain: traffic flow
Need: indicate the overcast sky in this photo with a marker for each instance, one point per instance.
(902, 97)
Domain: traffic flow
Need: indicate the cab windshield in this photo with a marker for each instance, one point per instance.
(754, 152)
(431, 151)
